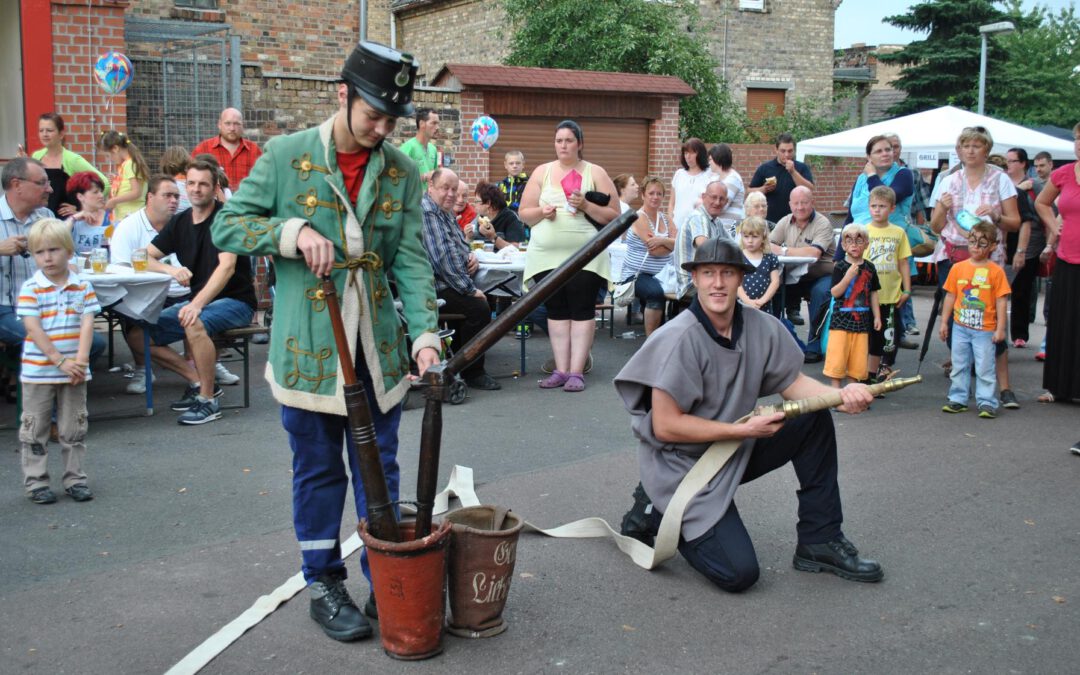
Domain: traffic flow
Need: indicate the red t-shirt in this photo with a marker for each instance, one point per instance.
(352, 165)
(1068, 203)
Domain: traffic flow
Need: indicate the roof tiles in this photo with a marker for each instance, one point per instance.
(557, 79)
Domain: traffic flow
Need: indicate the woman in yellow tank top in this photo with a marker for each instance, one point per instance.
(559, 228)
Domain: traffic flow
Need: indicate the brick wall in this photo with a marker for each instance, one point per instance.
(454, 31)
(664, 142)
(833, 176)
(791, 41)
(471, 161)
(82, 32)
(283, 36)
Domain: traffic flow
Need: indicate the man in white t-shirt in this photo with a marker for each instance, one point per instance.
(137, 231)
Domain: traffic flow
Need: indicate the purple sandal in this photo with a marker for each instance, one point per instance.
(574, 382)
(555, 380)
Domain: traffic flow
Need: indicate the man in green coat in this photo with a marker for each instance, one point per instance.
(338, 200)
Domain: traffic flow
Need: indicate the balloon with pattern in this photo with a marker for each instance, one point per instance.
(485, 131)
(114, 72)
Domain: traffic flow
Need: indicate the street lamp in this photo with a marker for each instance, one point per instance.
(989, 29)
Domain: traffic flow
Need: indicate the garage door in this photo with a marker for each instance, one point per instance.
(618, 145)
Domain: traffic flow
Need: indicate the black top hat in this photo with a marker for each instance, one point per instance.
(384, 77)
(719, 251)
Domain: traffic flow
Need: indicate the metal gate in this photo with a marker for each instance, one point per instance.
(185, 75)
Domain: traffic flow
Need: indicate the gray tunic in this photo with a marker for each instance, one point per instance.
(711, 381)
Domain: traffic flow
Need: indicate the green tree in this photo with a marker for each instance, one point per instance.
(1038, 83)
(943, 69)
(628, 36)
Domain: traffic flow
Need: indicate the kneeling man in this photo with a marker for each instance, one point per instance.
(685, 389)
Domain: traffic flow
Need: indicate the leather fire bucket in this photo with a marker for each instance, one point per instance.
(409, 580)
(483, 549)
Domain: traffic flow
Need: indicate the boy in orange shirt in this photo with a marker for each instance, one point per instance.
(977, 292)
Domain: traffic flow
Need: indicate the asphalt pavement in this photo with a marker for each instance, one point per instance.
(974, 522)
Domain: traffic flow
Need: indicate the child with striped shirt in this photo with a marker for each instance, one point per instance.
(57, 308)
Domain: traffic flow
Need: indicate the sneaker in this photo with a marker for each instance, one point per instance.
(202, 412)
(795, 318)
(335, 611)
(1019, 344)
(1075, 449)
(1040, 356)
(223, 376)
(1008, 400)
(912, 331)
(260, 338)
(42, 495)
(987, 412)
(522, 332)
(138, 382)
(908, 344)
(190, 398)
(79, 492)
(951, 407)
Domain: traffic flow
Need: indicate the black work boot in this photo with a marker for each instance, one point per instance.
(370, 608)
(335, 611)
(839, 557)
(638, 521)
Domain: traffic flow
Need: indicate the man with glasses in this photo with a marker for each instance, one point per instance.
(26, 191)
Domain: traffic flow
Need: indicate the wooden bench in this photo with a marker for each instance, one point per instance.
(239, 340)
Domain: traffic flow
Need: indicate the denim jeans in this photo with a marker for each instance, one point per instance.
(220, 315)
(816, 291)
(973, 345)
(907, 315)
(649, 292)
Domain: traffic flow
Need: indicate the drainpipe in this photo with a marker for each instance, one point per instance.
(393, 30)
(363, 19)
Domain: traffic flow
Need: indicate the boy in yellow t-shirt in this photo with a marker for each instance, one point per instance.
(977, 291)
(889, 251)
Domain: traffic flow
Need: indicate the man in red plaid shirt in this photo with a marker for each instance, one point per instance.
(234, 153)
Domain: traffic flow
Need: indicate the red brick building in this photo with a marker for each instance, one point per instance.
(58, 42)
(630, 122)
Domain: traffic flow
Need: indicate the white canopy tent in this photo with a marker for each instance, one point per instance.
(936, 131)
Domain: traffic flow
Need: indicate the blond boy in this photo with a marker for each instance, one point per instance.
(889, 250)
(57, 308)
(513, 185)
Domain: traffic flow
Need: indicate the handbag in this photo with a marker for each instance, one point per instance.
(623, 293)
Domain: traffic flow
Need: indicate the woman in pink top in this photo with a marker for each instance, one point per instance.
(1061, 373)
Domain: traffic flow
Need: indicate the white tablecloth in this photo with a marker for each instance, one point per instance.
(498, 275)
(795, 266)
(139, 295)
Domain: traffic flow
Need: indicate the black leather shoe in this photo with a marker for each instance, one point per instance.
(334, 610)
(370, 608)
(484, 382)
(812, 357)
(795, 318)
(638, 521)
(836, 557)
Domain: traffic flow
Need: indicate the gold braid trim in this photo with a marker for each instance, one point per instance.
(369, 261)
(294, 376)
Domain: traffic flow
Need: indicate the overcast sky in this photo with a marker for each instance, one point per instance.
(860, 21)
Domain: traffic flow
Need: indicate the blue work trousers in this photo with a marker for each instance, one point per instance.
(320, 480)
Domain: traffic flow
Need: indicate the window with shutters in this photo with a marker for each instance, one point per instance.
(764, 103)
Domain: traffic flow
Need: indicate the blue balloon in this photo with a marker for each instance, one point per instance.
(114, 72)
(485, 131)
